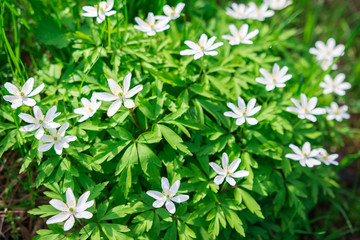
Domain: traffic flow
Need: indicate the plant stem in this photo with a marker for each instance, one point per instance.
(109, 32)
(296, 124)
(269, 97)
(135, 119)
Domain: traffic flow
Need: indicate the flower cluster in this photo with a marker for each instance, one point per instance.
(252, 11)
(53, 133)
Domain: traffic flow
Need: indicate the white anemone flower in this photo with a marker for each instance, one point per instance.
(305, 156)
(204, 46)
(119, 95)
(173, 13)
(277, 78)
(167, 196)
(243, 112)
(238, 11)
(228, 171)
(336, 85)
(306, 109)
(39, 122)
(89, 108)
(70, 210)
(336, 112)
(240, 36)
(101, 11)
(326, 158)
(260, 13)
(152, 24)
(327, 51)
(22, 96)
(57, 139)
(278, 4)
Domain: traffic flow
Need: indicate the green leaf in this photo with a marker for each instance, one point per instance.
(173, 139)
(251, 204)
(149, 162)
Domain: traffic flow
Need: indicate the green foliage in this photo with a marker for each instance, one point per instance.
(176, 127)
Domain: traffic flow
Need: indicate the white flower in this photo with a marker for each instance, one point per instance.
(243, 112)
(57, 139)
(307, 108)
(228, 171)
(241, 35)
(204, 46)
(238, 11)
(39, 121)
(22, 96)
(119, 95)
(173, 12)
(306, 156)
(336, 112)
(277, 78)
(328, 51)
(277, 4)
(152, 25)
(259, 13)
(104, 9)
(326, 158)
(336, 85)
(89, 109)
(70, 210)
(167, 195)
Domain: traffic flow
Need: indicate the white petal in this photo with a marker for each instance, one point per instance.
(154, 194)
(230, 180)
(29, 128)
(216, 168)
(240, 121)
(29, 102)
(174, 188)
(11, 88)
(37, 90)
(70, 198)
(180, 198)
(224, 160)
(159, 203)
(45, 147)
(103, 96)
(234, 165)
(165, 184)
(241, 173)
(82, 200)
(127, 82)
(134, 91)
(59, 205)
(219, 179)
(39, 133)
(252, 121)
(114, 107)
(28, 86)
(170, 206)
(27, 118)
(69, 223)
(58, 218)
(128, 103)
(84, 214)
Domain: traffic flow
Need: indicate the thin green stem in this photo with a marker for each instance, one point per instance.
(21, 136)
(296, 124)
(109, 31)
(269, 97)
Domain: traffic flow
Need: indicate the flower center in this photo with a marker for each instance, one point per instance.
(71, 209)
(55, 138)
(120, 94)
(41, 121)
(22, 94)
